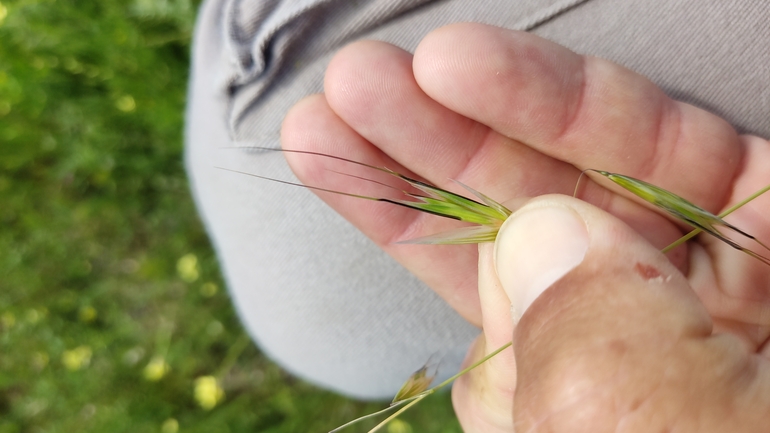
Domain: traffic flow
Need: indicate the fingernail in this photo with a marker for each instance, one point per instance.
(534, 249)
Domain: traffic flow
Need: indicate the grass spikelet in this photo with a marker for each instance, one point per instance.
(485, 214)
(684, 210)
(417, 383)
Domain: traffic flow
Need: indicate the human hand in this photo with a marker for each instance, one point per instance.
(513, 115)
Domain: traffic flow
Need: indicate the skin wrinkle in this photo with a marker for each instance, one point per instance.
(656, 157)
(724, 315)
(588, 96)
(489, 399)
(659, 160)
(746, 334)
(479, 154)
(757, 333)
(629, 411)
(736, 146)
(741, 292)
(502, 74)
(479, 133)
(711, 248)
(531, 54)
(433, 144)
(571, 119)
(477, 150)
(543, 325)
(606, 71)
(648, 397)
(750, 145)
(339, 85)
(739, 168)
(765, 349)
(354, 86)
(741, 374)
(716, 376)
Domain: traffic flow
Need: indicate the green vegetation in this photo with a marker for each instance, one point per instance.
(112, 309)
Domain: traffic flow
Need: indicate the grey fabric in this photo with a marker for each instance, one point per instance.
(315, 294)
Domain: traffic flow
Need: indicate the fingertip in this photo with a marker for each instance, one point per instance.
(361, 74)
(301, 118)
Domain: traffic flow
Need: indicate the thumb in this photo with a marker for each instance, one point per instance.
(610, 336)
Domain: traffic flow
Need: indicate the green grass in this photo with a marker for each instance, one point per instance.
(95, 216)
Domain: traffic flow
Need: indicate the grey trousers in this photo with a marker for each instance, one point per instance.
(315, 294)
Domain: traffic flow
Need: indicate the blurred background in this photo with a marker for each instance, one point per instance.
(113, 315)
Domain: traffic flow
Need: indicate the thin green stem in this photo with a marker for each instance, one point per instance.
(232, 355)
(371, 415)
(475, 364)
(399, 412)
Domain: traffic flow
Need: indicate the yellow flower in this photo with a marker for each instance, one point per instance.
(39, 360)
(35, 315)
(156, 369)
(87, 314)
(208, 392)
(8, 320)
(126, 103)
(399, 426)
(170, 425)
(209, 289)
(76, 358)
(187, 268)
